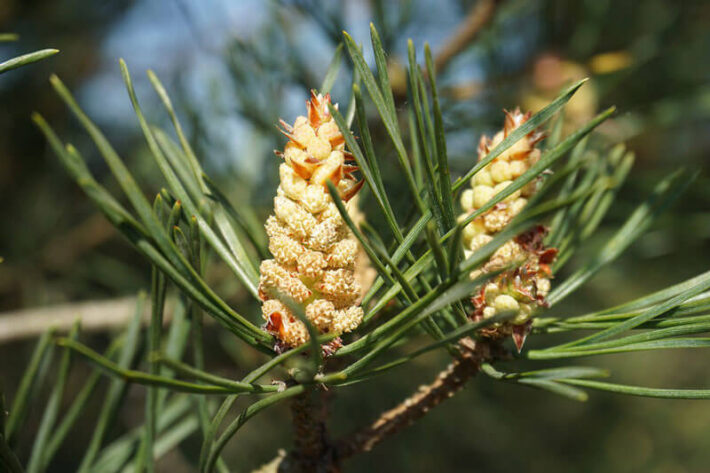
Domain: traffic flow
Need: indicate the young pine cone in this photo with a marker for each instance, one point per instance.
(524, 288)
(314, 252)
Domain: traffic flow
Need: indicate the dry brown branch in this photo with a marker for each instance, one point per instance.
(95, 316)
(479, 16)
(472, 24)
(446, 384)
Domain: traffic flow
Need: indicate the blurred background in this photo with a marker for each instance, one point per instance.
(234, 67)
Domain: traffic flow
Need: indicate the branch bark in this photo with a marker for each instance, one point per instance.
(312, 450)
(324, 456)
(446, 384)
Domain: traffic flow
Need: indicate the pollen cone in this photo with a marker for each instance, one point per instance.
(314, 251)
(523, 289)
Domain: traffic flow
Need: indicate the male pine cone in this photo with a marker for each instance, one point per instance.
(524, 288)
(314, 251)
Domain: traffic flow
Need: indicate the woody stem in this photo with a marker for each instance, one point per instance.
(447, 383)
(312, 451)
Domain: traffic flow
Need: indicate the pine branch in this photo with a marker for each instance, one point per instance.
(479, 16)
(430, 284)
(446, 384)
(98, 315)
(312, 451)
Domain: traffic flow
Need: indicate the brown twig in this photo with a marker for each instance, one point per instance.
(312, 450)
(446, 384)
(95, 316)
(475, 21)
(472, 24)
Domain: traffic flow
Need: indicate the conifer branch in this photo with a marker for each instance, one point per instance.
(95, 315)
(477, 19)
(446, 384)
(312, 448)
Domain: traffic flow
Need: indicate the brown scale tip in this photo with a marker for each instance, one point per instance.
(312, 141)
